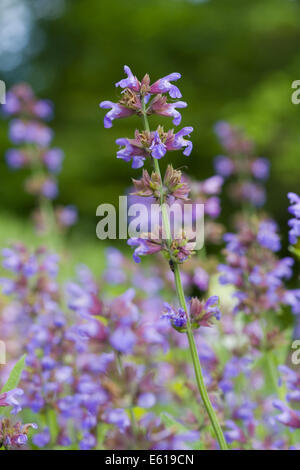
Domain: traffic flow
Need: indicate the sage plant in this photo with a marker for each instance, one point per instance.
(144, 99)
(32, 137)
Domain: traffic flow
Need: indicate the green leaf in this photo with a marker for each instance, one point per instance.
(15, 375)
(171, 422)
(52, 423)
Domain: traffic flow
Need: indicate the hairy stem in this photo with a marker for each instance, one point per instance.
(181, 297)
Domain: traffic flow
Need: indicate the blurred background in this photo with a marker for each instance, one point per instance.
(237, 58)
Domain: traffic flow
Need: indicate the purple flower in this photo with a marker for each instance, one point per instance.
(117, 111)
(294, 208)
(123, 339)
(164, 85)
(15, 158)
(10, 399)
(78, 299)
(88, 442)
(146, 400)
(8, 285)
(267, 235)
(253, 193)
(118, 417)
(234, 433)
(224, 166)
(292, 298)
(212, 207)
(201, 278)
(260, 168)
(212, 185)
(288, 417)
(53, 159)
(49, 189)
(177, 318)
(42, 439)
(158, 148)
(177, 141)
(132, 150)
(67, 216)
(161, 107)
(202, 313)
(43, 109)
(12, 105)
(230, 275)
(12, 259)
(30, 132)
(294, 232)
(130, 82)
(144, 247)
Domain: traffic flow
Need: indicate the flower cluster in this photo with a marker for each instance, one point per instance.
(241, 163)
(140, 97)
(258, 287)
(288, 416)
(181, 248)
(32, 136)
(172, 187)
(200, 313)
(294, 223)
(14, 435)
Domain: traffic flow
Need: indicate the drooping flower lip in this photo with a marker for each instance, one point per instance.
(117, 111)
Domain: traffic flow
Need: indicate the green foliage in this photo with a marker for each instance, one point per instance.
(238, 60)
(15, 375)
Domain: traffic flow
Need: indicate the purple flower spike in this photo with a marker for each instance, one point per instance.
(164, 85)
(130, 82)
(117, 112)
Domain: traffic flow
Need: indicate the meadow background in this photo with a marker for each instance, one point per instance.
(238, 59)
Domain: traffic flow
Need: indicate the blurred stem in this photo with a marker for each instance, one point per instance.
(45, 205)
(181, 297)
(120, 368)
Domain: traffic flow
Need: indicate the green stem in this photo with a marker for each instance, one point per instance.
(181, 297)
(197, 365)
(120, 368)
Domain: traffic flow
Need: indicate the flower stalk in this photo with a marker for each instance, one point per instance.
(181, 297)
